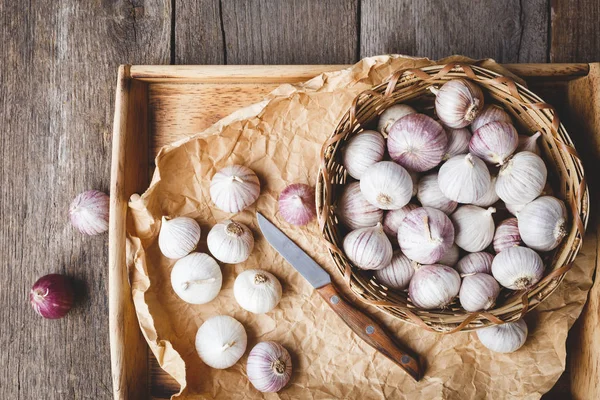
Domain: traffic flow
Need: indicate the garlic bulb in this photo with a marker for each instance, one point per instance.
(478, 292)
(397, 274)
(368, 248)
(458, 142)
(529, 143)
(521, 179)
(257, 291)
(269, 367)
(474, 227)
(425, 235)
(490, 113)
(391, 115)
(297, 204)
(464, 178)
(89, 212)
(354, 210)
(196, 278)
(230, 242)
(414, 176)
(505, 338)
(393, 218)
(386, 185)
(362, 151)
(543, 223)
(507, 235)
(514, 209)
(178, 237)
(517, 268)
(221, 341)
(472, 263)
(494, 142)
(433, 286)
(450, 257)
(417, 142)
(490, 197)
(458, 102)
(430, 195)
(234, 188)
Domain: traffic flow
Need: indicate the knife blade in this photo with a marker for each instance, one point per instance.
(363, 325)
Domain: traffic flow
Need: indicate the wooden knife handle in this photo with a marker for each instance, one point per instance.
(369, 331)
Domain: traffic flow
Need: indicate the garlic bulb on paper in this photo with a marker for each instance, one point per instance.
(430, 195)
(517, 268)
(391, 115)
(478, 292)
(507, 235)
(362, 151)
(393, 218)
(458, 102)
(464, 178)
(398, 273)
(221, 341)
(196, 278)
(490, 197)
(230, 242)
(494, 142)
(529, 143)
(354, 210)
(543, 223)
(514, 209)
(269, 367)
(521, 179)
(425, 235)
(474, 227)
(490, 113)
(458, 142)
(234, 188)
(472, 263)
(505, 338)
(178, 237)
(368, 248)
(417, 142)
(89, 212)
(450, 257)
(433, 286)
(386, 185)
(257, 291)
(297, 204)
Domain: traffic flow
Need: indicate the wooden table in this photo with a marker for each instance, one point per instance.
(58, 64)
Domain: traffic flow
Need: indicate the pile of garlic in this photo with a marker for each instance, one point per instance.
(425, 219)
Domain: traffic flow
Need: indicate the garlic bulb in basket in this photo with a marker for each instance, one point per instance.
(234, 188)
(397, 274)
(504, 338)
(354, 210)
(514, 209)
(494, 142)
(386, 185)
(458, 102)
(458, 142)
(472, 263)
(196, 278)
(464, 178)
(433, 286)
(230, 242)
(368, 248)
(507, 235)
(417, 142)
(490, 197)
(178, 237)
(450, 257)
(221, 341)
(430, 195)
(521, 179)
(543, 223)
(391, 115)
(518, 268)
(414, 176)
(490, 113)
(362, 151)
(473, 227)
(478, 292)
(269, 367)
(297, 204)
(529, 143)
(425, 235)
(393, 218)
(257, 291)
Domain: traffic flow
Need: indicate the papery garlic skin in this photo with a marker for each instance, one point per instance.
(354, 210)
(434, 286)
(269, 367)
(478, 292)
(178, 237)
(425, 235)
(257, 291)
(393, 218)
(386, 185)
(415, 177)
(529, 143)
(514, 209)
(397, 274)
(417, 142)
(490, 113)
(473, 227)
(450, 257)
(490, 197)
(507, 235)
(368, 248)
(542, 223)
(221, 341)
(494, 142)
(505, 338)
(430, 195)
(518, 268)
(297, 204)
(230, 242)
(89, 212)
(234, 188)
(521, 179)
(196, 278)
(362, 151)
(458, 142)
(391, 115)
(464, 178)
(472, 263)
(458, 102)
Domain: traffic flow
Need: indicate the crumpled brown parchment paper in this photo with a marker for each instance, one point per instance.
(280, 139)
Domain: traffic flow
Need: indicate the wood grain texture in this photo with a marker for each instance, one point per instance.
(198, 32)
(574, 33)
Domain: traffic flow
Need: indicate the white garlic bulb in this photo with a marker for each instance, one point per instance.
(354, 210)
(89, 212)
(368, 248)
(414, 176)
(450, 257)
(433, 286)
(425, 235)
(521, 179)
(297, 204)
(391, 115)
(362, 151)
(393, 218)
(458, 102)
(490, 113)
(490, 197)
(507, 235)
(517, 268)
(529, 143)
(505, 338)
(397, 274)
(458, 142)
(472, 263)
(230, 242)
(196, 278)
(221, 341)
(234, 188)
(473, 227)
(257, 291)
(464, 178)
(543, 223)
(478, 292)
(417, 142)
(386, 185)
(178, 237)
(430, 195)
(514, 209)
(494, 142)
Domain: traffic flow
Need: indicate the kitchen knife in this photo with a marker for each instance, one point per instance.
(364, 326)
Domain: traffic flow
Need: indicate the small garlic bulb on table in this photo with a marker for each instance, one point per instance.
(517, 268)
(458, 102)
(89, 212)
(363, 150)
(221, 341)
(473, 227)
(464, 178)
(505, 338)
(196, 278)
(297, 204)
(230, 242)
(178, 237)
(234, 188)
(269, 367)
(543, 223)
(425, 235)
(434, 286)
(391, 115)
(386, 185)
(522, 178)
(354, 210)
(257, 291)
(368, 248)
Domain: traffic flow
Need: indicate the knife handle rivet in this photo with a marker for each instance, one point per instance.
(405, 359)
(334, 299)
(370, 330)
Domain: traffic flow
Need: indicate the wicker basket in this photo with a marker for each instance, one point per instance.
(530, 114)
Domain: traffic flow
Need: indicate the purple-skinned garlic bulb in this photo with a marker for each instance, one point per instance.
(89, 212)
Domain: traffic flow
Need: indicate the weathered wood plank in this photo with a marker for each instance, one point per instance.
(575, 35)
(198, 32)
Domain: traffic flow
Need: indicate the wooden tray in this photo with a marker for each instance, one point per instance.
(156, 105)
